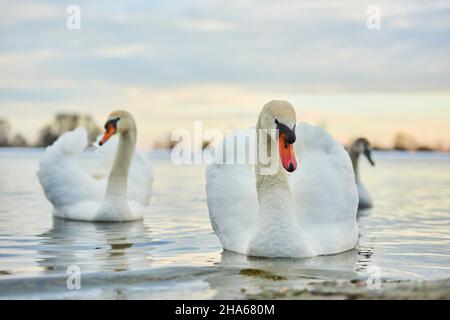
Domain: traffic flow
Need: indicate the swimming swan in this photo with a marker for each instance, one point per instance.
(309, 212)
(359, 146)
(76, 195)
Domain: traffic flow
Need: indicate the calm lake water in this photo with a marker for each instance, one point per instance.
(174, 253)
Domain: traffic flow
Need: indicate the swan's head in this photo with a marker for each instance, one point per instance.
(118, 122)
(362, 146)
(278, 119)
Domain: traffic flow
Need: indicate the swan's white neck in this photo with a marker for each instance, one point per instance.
(118, 178)
(354, 156)
(274, 195)
(274, 192)
(276, 232)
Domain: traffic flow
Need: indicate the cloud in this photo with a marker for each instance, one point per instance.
(207, 25)
(296, 44)
(15, 12)
(29, 57)
(220, 58)
(120, 51)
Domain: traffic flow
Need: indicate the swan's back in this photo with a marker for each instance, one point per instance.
(324, 190)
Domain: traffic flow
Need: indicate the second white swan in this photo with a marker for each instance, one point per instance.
(76, 195)
(309, 212)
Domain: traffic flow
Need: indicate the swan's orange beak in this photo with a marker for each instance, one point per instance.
(287, 154)
(110, 131)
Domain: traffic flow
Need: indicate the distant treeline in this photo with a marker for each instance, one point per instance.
(48, 134)
(63, 122)
(405, 142)
(402, 142)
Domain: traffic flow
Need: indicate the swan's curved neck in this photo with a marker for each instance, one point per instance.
(272, 184)
(118, 178)
(354, 156)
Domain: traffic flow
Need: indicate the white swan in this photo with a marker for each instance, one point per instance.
(309, 212)
(76, 195)
(361, 146)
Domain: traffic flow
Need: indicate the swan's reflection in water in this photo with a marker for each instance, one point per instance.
(345, 265)
(333, 266)
(103, 247)
(366, 248)
(95, 246)
(256, 274)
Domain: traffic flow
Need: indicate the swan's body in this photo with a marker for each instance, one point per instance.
(75, 195)
(365, 200)
(361, 146)
(310, 212)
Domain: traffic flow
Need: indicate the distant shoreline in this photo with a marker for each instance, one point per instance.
(379, 151)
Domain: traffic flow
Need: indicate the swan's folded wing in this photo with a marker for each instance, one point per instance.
(324, 175)
(232, 201)
(63, 181)
(324, 189)
(232, 204)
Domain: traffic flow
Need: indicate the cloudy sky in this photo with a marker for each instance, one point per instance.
(173, 62)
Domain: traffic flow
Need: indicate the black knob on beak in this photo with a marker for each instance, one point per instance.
(291, 167)
(289, 133)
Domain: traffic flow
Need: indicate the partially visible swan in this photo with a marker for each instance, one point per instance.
(265, 213)
(76, 195)
(361, 146)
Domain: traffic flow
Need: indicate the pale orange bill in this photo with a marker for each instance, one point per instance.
(287, 154)
(110, 131)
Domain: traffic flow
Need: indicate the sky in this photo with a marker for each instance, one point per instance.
(174, 62)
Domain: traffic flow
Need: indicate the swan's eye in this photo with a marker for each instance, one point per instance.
(112, 122)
